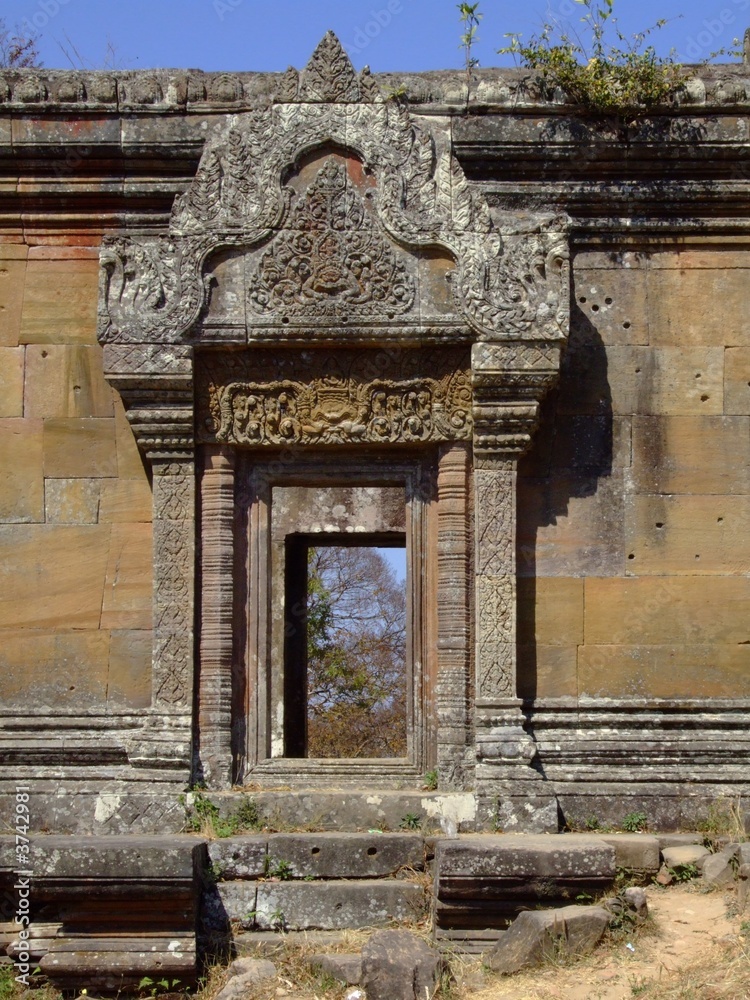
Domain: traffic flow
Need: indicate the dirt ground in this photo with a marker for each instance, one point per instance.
(691, 929)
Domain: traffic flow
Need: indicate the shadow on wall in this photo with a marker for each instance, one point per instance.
(572, 453)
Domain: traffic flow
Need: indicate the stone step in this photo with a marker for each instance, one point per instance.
(317, 855)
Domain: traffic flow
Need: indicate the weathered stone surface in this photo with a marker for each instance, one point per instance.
(240, 857)
(344, 968)
(71, 501)
(331, 855)
(666, 380)
(743, 887)
(526, 814)
(397, 965)
(719, 670)
(22, 481)
(129, 462)
(679, 840)
(547, 671)
(612, 301)
(710, 308)
(536, 935)
(550, 610)
(130, 857)
(333, 905)
(82, 448)
(261, 968)
(11, 381)
(635, 851)
(42, 586)
(681, 857)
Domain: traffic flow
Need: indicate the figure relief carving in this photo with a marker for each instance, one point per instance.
(331, 259)
(333, 399)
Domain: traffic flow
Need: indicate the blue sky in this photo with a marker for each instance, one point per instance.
(386, 34)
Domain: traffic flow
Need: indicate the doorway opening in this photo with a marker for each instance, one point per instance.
(346, 639)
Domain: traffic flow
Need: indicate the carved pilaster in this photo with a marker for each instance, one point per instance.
(217, 593)
(509, 381)
(453, 609)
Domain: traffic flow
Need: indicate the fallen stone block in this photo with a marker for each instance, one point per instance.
(719, 869)
(238, 986)
(344, 968)
(397, 965)
(536, 935)
(261, 968)
(667, 840)
(637, 900)
(678, 858)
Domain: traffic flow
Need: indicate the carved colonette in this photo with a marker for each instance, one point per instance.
(337, 202)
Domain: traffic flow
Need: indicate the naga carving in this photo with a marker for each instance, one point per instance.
(505, 286)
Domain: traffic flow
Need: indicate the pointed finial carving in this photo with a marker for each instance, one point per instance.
(330, 77)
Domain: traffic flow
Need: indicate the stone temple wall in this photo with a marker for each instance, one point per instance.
(633, 546)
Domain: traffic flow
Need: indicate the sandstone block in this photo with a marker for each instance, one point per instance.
(80, 449)
(71, 501)
(130, 857)
(344, 968)
(42, 586)
(128, 588)
(709, 306)
(687, 534)
(737, 380)
(129, 678)
(125, 500)
(666, 380)
(67, 670)
(635, 851)
(12, 275)
(668, 671)
(240, 857)
(536, 935)
(547, 671)
(637, 900)
(11, 381)
(59, 303)
(664, 610)
(333, 855)
(570, 527)
(64, 380)
(614, 301)
(22, 480)
(397, 965)
(550, 610)
(335, 905)
(691, 454)
(679, 840)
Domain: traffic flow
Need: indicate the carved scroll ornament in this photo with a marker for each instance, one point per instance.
(154, 290)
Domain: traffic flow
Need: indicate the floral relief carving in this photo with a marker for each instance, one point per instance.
(331, 259)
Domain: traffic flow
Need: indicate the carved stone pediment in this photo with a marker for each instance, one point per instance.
(504, 286)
